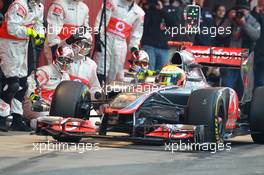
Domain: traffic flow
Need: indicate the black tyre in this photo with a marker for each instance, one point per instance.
(256, 116)
(71, 99)
(67, 139)
(209, 107)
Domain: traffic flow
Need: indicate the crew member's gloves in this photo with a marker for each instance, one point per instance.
(33, 97)
(98, 43)
(74, 38)
(39, 38)
(150, 72)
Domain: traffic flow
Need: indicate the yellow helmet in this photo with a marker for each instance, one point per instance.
(172, 75)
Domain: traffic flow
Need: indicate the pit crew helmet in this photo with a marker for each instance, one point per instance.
(82, 47)
(172, 75)
(64, 58)
(141, 60)
(33, 3)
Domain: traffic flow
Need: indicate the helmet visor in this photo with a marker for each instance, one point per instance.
(167, 79)
(142, 63)
(64, 63)
(81, 48)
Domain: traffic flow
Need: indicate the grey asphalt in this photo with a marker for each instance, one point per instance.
(18, 155)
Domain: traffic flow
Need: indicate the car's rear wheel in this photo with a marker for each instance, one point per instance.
(256, 116)
(71, 99)
(209, 107)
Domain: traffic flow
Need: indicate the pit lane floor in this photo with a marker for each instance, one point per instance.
(18, 155)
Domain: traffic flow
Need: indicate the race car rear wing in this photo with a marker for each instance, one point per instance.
(214, 56)
(219, 56)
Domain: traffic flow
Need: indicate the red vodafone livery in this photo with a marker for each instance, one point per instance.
(119, 27)
(218, 55)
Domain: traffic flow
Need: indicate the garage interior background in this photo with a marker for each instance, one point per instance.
(95, 5)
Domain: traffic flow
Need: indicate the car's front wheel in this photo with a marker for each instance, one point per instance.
(208, 107)
(256, 116)
(71, 99)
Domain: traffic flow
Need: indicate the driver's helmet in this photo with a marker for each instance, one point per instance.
(141, 61)
(172, 75)
(64, 58)
(82, 47)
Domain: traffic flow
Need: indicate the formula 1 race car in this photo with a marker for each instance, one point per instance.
(191, 111)
(194, 111)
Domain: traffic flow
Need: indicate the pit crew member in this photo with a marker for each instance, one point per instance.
(83, 68)
(140, 65)
(23, 20)
(44, 81)
(64, 17)
(124, 21)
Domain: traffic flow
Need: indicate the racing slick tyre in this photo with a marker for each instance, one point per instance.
(71, 99)
(256, 116)
(209, 107)
(67, 139)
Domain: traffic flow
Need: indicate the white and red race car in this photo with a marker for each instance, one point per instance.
(193, 112)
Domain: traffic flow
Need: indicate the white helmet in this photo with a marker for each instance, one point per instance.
(140, 60)
(143, 56)
(64, 57)
(82, 47)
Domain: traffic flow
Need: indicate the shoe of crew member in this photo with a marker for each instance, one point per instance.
(19, 124)
(4, 112)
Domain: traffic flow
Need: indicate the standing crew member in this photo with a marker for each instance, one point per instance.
(64, 17)
(124, 21)
(23, 20)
